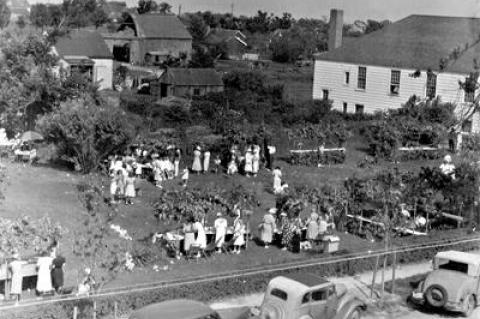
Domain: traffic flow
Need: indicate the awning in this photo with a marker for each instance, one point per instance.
(78, 60)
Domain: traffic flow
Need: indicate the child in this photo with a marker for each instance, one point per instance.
(114, 186)
(185, 174)
(129, 189)
(217, 161)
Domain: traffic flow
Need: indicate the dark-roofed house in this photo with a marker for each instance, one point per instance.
(187, 82)
(18, 8)
(142, 37)
(234, 41)
(413, 56)
(86, 52)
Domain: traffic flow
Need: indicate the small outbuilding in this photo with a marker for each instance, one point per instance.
(184, 82)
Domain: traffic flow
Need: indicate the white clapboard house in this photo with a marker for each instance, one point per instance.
(383, 69)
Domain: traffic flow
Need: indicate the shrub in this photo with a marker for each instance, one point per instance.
(314, 158)
(86, 133)
(471, 142)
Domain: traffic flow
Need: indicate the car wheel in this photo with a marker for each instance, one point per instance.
(355, 314)
(469, 306)
(436, 296)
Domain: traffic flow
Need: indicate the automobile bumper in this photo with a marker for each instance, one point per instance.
(454, 306)
(417, 298)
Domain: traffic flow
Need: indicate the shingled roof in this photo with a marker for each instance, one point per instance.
(192, 77)
(83, 43)
(160, 26)
(415, 42)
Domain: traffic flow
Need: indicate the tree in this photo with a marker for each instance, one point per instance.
(146, 6)
(86, 132)
(39, 15)
(164, 8)
(197, 27)
(5, 14)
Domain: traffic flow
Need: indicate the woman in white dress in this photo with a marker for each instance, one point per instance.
(130, 189)
(44, 278)
(255, 160)
(201, 240)
(238, 234)
(16, 270)
(197, 164)
(220, 225)
(248, 162)
(277, 180)
(206, 161)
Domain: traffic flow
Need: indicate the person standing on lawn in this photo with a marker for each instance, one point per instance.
(130, 189)
(277, 180)
(312, 227)
(220, 225)
(248, 162)
(44, 278)
(197, 164)
(176, 161)
(189, 234)
(238, 233)
(15, 268)
(201, 240)
(58, 272)
(206, 161)
(217, 161)
(114, 186)
(266, 152)
(255, 159)
(267, 227)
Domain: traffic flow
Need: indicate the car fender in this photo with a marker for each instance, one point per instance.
(344, 311)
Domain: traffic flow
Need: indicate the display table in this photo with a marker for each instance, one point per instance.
(28, 270)
(330, 244)
(25, 155)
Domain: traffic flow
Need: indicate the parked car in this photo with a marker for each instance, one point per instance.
(453, 284)
(307, 296)
(187, 309)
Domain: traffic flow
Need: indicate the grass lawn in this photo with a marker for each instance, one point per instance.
(37, 191)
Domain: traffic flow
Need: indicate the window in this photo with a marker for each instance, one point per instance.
(455, 266)
(469, 96)
(431, 85)
(306, 298)
(345, 107)
(359, 108)
(467, 126)
(362, 77)
(395, 82)
(279, 294)
(319, 295)
(325, 94)
(196, 91)
(347, 77)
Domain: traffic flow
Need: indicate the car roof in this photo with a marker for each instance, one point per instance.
(459, 256)
(173, 309)
(299, 280)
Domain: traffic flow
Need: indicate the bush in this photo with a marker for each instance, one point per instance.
(314, 158)
(419, 154)
(86, 133)
(471, 142)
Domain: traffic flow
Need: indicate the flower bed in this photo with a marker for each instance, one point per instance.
(219, 289)
(315, 157)
(419, 153)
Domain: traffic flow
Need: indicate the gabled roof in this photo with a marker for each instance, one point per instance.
(192, 77)
(459, 256)
(158, 25)
(83, 43)
(415, 42)
(219, 35)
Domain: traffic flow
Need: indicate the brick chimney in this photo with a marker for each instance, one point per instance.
(335, 29)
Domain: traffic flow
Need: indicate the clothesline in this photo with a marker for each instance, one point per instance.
(341, 149)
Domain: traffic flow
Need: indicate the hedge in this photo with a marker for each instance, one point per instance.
(419, 154)
(214, 290)
(313, 158)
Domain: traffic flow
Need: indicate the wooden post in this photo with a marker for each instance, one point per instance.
(394, 265)
(7, 282)
(115, 310)
(383, 278)
(94, 309)
(374, 276)
(75, 312)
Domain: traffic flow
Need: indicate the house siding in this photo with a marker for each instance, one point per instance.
(183, 90)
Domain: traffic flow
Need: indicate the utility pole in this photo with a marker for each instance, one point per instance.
(179, 10)
(231, 8)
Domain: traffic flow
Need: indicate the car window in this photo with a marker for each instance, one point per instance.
(331, 291)
(279, 294)
(319, 295)
(455, 266)
(306, 298)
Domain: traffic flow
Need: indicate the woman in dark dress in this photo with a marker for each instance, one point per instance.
(57, 273)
